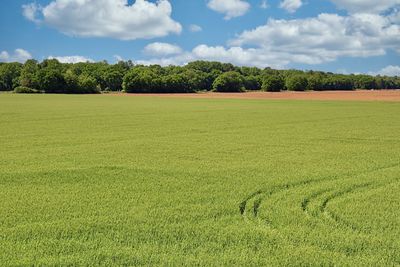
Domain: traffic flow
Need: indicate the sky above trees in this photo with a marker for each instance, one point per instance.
(345, 36)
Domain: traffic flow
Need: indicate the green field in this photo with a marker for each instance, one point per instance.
(114, 180)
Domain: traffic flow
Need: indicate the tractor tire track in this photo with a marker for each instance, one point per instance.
(335, 217)
(249, 208)
(321, 209)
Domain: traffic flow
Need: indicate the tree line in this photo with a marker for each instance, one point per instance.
(51, 76)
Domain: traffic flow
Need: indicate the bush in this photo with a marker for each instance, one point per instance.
(273, 83)
(296, 83)
(26, 90)
(229, 82)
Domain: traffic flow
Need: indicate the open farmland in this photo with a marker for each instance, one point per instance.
(144, 180)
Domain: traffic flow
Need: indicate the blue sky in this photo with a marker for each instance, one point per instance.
(330, 35)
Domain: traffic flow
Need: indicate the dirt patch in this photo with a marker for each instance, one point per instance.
(361, 95)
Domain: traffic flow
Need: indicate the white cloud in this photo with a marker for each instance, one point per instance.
(236, 55)
(107, 18)
(71, 59)
(324, 38)
(264, 4)
(291, 6)
(388, 71)
(180, 59)
(317, 40)
(30, 11)
(240, 56)
(365, 6)
(19, 55)
(4, 56)
(162, 49)
(195, 28)
(231, 8)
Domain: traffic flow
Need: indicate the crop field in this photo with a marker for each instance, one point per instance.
(144, 180)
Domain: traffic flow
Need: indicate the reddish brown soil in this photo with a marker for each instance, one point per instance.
(362, 95)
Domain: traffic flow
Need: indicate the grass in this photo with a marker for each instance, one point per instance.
(119, 180)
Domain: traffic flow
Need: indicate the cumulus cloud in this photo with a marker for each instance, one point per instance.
(388, 71)
(324, 38)
(291, 6)
(30, 11)
(71, 59)
(19, 55)
(195, 28)
(231, 8)
(317, 40)
(180, 59)
(236, 55)
(366, 6)
(162, 49)
(240, 56)
(106, 18)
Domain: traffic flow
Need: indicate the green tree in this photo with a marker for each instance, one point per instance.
(51, 81)
(9, 76)
(175, 83)
(139, 80)
(338, 82)
(71, 81)
(29, 74)
(113, 80)
(87, 84)
(250, 71)
(365, 82)
(252, 82)
(314, 82)
(273, 83)
(229, 82)
(209, 66)
(197, 80)
(50, 76)
(269, 71)
(296, 83)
